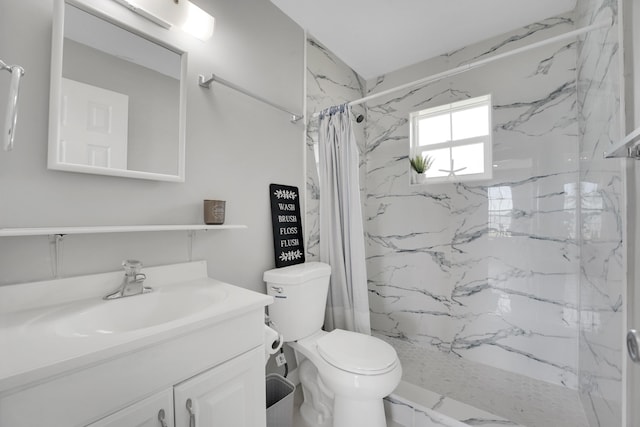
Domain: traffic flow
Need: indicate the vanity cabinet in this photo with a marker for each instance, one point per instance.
(150, 412)
(224, 396)
(55, 372)
(229, 395)
(221, 370)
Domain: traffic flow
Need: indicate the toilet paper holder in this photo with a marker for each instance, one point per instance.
(273, 340)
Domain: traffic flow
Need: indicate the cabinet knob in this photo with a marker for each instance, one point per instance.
(192, 414)
(161, 419)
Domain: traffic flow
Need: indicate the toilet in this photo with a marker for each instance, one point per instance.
(344, 375)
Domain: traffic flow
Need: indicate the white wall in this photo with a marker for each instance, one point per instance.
(236, 147)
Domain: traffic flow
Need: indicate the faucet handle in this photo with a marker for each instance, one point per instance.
(132, 267)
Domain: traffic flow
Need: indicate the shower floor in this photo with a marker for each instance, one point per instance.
(515, 399)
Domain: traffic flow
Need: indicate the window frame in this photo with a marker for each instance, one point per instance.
(486, 140)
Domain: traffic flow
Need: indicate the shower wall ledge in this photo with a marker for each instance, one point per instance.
(412, 406)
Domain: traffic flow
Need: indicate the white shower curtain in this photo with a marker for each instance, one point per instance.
(341, 230)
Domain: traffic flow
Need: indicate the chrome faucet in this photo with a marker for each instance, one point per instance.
(133, 282)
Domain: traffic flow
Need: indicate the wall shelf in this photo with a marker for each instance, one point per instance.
(57, 234)
(63, 231)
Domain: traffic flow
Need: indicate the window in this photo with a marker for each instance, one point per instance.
(457, 137)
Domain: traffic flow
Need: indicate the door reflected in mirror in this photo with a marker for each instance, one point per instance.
(117, 100)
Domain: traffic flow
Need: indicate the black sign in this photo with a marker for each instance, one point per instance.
(287, 226)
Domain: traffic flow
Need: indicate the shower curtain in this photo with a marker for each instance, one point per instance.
(341, 229)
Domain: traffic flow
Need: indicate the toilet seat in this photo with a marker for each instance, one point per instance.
(357, 353)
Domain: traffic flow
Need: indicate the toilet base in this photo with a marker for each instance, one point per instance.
(358, 413)
(317, 404)
(312, 418)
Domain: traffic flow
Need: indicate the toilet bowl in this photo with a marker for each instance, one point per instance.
(344, 375)
(357, 370)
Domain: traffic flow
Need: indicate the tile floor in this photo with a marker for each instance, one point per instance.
(517, 398)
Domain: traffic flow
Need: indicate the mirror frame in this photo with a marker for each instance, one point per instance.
(112, 12)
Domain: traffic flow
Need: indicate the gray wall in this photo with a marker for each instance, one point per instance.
(236, 146)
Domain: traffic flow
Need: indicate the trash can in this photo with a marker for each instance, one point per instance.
(279, 401)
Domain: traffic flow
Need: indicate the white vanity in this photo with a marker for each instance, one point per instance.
(189, 353)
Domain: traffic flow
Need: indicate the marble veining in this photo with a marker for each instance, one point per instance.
(602, 227)
(535, 107)
(461, 415)
(524, 34)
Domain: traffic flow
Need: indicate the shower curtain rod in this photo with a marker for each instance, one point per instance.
(204, 82)
(470, 66)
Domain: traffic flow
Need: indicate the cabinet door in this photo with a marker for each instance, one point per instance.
(229, 395)
(146, 413)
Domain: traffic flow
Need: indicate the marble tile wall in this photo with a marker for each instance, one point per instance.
(495, 271)
(602, 225)
(484, 270)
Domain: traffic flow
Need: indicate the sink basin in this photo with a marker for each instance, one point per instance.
(139, 312)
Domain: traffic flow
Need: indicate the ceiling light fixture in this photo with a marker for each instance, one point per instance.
(141, 10)
(168, 14)
(198, 23)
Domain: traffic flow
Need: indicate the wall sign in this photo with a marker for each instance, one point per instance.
(287, 225)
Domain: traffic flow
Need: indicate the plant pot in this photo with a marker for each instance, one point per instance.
(421, 178)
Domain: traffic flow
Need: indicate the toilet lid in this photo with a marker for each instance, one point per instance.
(357, 353)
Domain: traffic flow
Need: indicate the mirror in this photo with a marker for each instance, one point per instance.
(118, 94)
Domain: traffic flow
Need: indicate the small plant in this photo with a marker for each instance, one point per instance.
(421, 164)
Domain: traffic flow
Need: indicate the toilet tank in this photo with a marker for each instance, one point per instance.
(300, 297)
